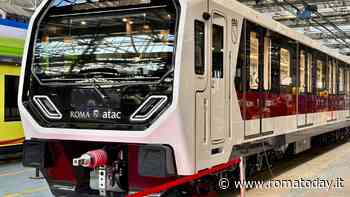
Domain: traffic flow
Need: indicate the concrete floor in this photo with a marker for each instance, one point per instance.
(326, 163)
(15, 181)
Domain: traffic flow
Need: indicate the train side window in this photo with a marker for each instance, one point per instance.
(267, 61)
(302, 71)
(285, 77)
(329, 77)
(345, 74)
(11, 92)
(334, 81)
(254, 61)
(341, 80)
(348, 82)
(218, 52)
(199, 47)
(309, 73)
(319, 76)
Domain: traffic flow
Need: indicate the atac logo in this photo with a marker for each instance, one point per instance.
(95, 114)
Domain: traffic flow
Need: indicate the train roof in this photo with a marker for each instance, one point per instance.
(273, 25)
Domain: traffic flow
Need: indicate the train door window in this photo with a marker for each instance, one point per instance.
(218, 49)
(341, 80)
(319, 75)
(329, 75)
(199, 47)
(11, 92)
(334, 81)
(348, 82)
(254, 61)
(267, 61)
(309, 73)
(285, 64)
(302, 71)
(258, 57)
(275, 62)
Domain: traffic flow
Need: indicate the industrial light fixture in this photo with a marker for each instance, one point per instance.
(47, 107)
(148, 108)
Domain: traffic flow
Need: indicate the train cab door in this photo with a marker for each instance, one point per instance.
(219, 105)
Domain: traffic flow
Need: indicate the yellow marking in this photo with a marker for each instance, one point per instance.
(14, 173)
(13, 129)
(26, 192)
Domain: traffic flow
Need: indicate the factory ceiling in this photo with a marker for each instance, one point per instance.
(324, 20)
(19, 7)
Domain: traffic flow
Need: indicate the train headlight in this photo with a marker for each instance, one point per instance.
(47, 107)
(148, 108)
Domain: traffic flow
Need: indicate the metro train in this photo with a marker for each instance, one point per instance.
(121, 95)
(12, 36)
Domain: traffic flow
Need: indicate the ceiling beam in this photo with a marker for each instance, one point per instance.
(325, 36)
(303, 24)
(273, 4)
(329, 15)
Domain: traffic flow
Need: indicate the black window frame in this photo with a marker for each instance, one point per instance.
(11, 113)
(218, 56)
(199, 43)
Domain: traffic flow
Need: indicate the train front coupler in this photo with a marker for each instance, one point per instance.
(108, 173)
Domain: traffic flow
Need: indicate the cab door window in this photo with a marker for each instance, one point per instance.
(218, 51)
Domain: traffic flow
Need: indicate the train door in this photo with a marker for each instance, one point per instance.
(302, 94)
(258, 100)
(219, 73)
(347, 94)
(305, 96)
(305, 89)
(332, 98)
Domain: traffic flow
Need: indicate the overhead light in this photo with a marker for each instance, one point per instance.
(125, 20)
(83, 22)
(148, 108)
(146, 27)
(47, 107)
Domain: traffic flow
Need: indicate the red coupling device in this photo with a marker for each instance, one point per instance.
(92, 159)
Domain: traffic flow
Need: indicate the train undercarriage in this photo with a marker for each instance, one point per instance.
(74, 168)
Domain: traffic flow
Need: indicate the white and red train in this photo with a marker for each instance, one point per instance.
(120, 95)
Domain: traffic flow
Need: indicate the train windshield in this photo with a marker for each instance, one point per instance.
(106, 42)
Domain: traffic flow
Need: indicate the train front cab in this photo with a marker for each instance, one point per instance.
(126, 135)
(199, 139)
(234, 81)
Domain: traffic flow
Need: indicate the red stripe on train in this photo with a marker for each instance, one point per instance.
(254, 105)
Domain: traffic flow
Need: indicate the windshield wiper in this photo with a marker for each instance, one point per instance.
(97, 89)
